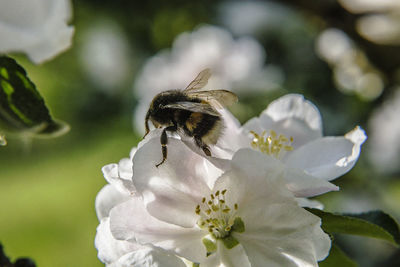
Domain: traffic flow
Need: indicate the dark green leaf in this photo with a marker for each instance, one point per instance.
(376, 224)
(337, 258)
(21, 262)
(381, 219)
(22, 108)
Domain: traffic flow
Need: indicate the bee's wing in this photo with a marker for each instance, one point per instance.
(194, 107)
(200, 81)
(217, 98)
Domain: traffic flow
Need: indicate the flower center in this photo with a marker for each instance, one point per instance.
(215, 215)
(219, 220)
(272, 144)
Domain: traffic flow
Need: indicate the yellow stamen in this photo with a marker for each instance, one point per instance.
(215, 215)
(272, 144)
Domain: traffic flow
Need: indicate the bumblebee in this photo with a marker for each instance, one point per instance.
(192, 111)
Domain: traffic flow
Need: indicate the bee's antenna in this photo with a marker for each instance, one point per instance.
(146, 123)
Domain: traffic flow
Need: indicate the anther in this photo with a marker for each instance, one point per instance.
(215, 216)
(272, 144)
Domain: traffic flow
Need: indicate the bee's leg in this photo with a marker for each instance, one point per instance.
(202, 145)
(164, 142)
(146, 124)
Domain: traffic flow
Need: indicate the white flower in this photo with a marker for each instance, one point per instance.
(116, 253)
(245, 217)
(290, 130)
(113, 252)
(105, 55)
(254, 17)
(338, 50)
(384, 124)
(36, 27)
(363, 6)
(235, 63)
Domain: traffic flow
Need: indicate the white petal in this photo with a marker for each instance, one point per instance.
(172, 191)
(152, 134)
(132, 152)
(283, 235)
(108, 197)
(125, 169)
(276, 220)
(357, 136)
(328, 157)
(261, 254)
(261, 172)
(256, 164)
(130, 220)
(119, 177)
(305, 202)
(234, 257)
(233, 137)
(115, 252)
(231, 122)
(305, 185)
(295, 106)
(220, 156)
(109, 248)
(290, 127)
(292, 116)
(255, 124)
(39, 29)
(149, 257)
(254, 179)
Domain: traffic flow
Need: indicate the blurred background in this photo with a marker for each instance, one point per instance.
(343, 55)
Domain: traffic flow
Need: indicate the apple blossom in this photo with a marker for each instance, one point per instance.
(38, 28)
(115, 252)
(384, 150)
(254, 17)
(290, 131)
(242, 217)
(105, 49)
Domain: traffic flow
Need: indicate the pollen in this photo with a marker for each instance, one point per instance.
(272, 144)
(216, 216)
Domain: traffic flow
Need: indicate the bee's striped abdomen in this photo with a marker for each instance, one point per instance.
(193, 121)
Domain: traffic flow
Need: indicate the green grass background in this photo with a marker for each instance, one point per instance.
(47, 200)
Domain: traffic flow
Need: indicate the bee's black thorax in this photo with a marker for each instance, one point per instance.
(166, 116)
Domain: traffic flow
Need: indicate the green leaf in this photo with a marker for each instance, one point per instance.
(337, 258)
(22, 108)
(376, 224)
(383, 220)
